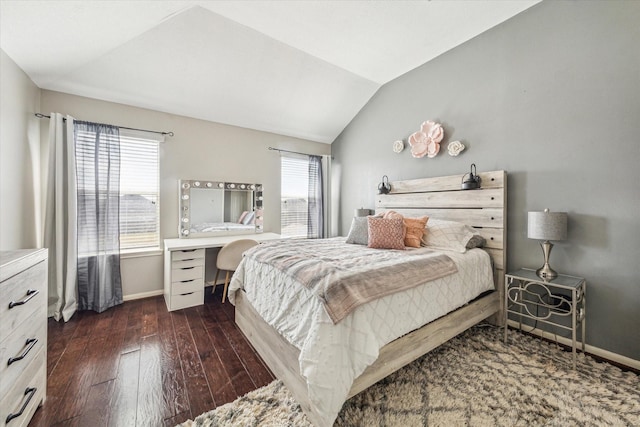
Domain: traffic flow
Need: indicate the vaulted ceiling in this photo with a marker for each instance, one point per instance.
(296, 68)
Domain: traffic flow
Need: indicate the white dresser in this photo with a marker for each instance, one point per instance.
(184, 267)
(23, 334)
(184, 278)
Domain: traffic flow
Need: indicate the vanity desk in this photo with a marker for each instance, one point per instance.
(184, 266)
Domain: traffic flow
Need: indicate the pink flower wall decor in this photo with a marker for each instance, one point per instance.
(427, 140)
(418, 143)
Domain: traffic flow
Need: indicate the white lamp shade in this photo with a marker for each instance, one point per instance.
(547, 225)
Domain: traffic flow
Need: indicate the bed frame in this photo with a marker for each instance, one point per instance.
(440, 198)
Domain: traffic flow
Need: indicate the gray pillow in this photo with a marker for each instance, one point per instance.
(476, 241)
(359, 231)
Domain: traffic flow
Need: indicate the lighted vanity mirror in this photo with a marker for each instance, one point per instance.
(215, 208)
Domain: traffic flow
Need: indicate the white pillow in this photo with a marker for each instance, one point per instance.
(450, 236)
(248, 219)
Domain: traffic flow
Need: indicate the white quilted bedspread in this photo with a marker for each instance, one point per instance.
(333, 355)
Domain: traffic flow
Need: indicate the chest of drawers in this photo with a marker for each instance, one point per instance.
(23, 334)
(184, 279)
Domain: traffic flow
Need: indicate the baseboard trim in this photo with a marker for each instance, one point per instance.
(142, 295)
(596, 351)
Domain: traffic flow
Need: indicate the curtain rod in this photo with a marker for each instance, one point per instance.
(42, 116)
(287, 151)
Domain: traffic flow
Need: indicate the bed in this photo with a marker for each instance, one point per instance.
(207, 227)
(304, 365)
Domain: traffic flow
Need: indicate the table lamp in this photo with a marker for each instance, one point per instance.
(547, 226)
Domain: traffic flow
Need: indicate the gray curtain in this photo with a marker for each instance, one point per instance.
(315, 224)
(98, 186)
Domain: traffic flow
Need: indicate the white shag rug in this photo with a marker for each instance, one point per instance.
(472, 380)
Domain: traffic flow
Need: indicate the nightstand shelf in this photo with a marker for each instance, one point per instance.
(530, 297)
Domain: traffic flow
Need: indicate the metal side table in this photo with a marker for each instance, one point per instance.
(531, 297)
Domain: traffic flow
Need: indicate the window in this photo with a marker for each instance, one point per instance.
(134, 185)
(301, 207)
(139, 191)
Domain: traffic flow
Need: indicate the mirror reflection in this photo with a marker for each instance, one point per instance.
(219, 208)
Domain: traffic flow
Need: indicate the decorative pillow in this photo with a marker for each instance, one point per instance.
(392, 214)
(477, 241)
(248, 218)
(449, 235)
(359, 231)
(415, 228)
(386, 233)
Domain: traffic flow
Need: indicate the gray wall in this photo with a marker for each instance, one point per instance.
(552, 96)
(20, 222)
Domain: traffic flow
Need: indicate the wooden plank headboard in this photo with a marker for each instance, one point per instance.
(443, 198)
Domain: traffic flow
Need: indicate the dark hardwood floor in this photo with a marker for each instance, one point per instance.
(139, 365)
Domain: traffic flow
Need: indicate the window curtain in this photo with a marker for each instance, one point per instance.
(60, 231)
(315, 215)
(97, 149)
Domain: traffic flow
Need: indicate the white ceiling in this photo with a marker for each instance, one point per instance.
(296, 68)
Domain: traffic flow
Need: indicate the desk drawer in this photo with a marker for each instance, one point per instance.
(19, 397)
(186, 286)
(186, 263)
(187, 300)
(25, 293)
(187, 274)
(187, 254)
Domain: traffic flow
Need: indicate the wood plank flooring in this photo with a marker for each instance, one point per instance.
(139, 365)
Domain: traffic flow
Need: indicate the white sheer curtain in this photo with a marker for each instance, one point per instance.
(97, 155)
(60, 229)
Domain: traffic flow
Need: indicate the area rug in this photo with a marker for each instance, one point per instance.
(472, 380)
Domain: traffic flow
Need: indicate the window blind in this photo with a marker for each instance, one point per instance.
(302, 196)
(294, 191)
(139, 192)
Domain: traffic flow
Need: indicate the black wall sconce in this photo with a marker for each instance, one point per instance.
(384, 187)
(473, 181)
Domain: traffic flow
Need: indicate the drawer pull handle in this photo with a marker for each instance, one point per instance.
(30, 294)
(187, 281)
(187, 268)
(31, 390)
(189, 250)
(30, 343)
(188, 293)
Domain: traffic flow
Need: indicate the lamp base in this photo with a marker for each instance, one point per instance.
(546, 272)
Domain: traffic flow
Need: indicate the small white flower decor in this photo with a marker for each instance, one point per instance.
(427, 140)
(455, 147)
